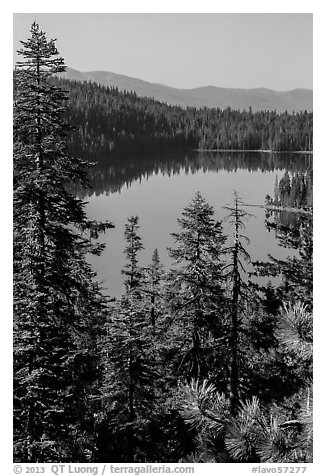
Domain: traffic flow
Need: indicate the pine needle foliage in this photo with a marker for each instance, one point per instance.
(295, 331)
(251, 434)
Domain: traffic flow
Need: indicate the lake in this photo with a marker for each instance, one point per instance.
(157, 187)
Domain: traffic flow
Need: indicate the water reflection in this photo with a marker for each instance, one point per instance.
(111, 175)
(157, 188)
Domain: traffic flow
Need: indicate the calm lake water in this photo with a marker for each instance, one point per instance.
(158, 187)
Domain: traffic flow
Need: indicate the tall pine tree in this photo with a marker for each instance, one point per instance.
(57, 304)
(195, 287)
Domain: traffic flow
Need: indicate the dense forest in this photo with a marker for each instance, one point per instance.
(197, 363)
(109, 122)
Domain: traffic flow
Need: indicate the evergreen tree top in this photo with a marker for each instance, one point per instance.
(40, 54)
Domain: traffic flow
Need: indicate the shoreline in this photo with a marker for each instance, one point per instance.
(267, 151)
(279, 208)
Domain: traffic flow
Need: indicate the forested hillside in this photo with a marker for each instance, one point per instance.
(109, 121)
(259, 99)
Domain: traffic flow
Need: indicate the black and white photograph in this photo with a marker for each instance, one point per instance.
(163, 240)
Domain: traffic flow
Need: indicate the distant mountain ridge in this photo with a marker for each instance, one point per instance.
(210, 96)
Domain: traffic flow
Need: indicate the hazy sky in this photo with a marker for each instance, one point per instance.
(271, 50)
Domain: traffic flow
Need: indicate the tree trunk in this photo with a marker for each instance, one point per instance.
(234, 371)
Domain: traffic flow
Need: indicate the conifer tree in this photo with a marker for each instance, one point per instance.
(57, 304)
(152, 289)
(238, 292)
(133, 272)
(195, 286)
(296, 272)
(130, 367)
